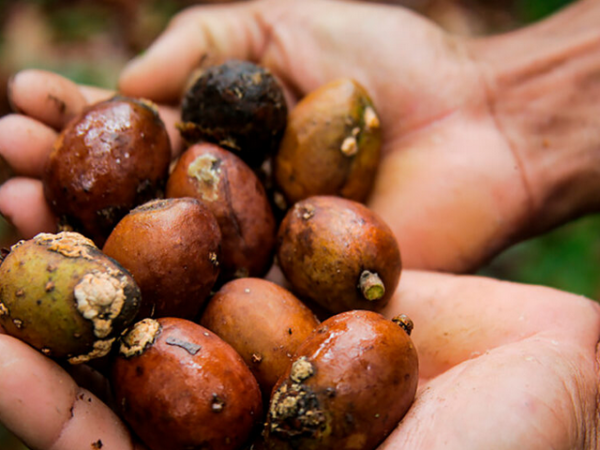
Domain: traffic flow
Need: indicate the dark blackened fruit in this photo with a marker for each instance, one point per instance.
(350, 384)
(172, 248)
(181, 387)
(234, 194)
(237, 105)
(63, 296)
(339, 254)
(263, 321)
(331, 145)
(112, 157)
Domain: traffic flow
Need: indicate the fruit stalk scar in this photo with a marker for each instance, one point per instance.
(100, 298)
(141, 336)
(371, 285)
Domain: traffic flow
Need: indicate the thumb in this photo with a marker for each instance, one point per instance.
(213, 32)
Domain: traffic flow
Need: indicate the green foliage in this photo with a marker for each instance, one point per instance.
(533, 10)
(566, 258)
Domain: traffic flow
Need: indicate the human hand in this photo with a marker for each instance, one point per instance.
(537, 370)
(502, 366)
(476, 155)
(473, 159)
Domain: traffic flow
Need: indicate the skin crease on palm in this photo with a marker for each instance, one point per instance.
(502, 366)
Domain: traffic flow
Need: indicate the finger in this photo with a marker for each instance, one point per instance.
(23, 204)
(25, 144)
(93, 94)
(161, 73)
(42, 405)
(171, 116)
(46, 96)
(458, 318)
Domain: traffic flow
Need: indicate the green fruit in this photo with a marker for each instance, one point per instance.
(63, 296)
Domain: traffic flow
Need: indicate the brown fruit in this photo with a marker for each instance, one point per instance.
(237, 105)
(263, 321)
(110, 158)
(63, 296)
(331, 145)
(339, 254)
(234, 194)
(172, 248)
(350, 384)
(180, 387)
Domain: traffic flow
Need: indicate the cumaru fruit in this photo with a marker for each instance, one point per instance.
(331, 145)
(236, 197)
(237, 105)
(112, 157)
(349, 385)
(182, 387)
(263, 321)
(63, 296)
(172, 248)
(339, 254)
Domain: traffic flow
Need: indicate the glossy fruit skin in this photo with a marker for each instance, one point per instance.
(112, 157)
(350, 384)
(186, 388)
(63, 296)
(331, 144)
(239, 106)
(172, 247)
(235, 195)
(263, 321)
(326, 243)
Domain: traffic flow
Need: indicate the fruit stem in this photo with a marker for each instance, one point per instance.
(405, 322)
(371, 286)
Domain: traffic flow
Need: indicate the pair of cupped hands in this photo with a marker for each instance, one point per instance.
(481, 150)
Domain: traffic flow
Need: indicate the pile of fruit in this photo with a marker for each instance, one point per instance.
(159, 268)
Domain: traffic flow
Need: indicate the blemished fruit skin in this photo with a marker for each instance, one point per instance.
(179, 386)
(239, 106)
(172, 247)
(63, 296)
(110, 158)
(350, 384)
(263, 321)
(235, 195)
(331, 145)
(339, 254)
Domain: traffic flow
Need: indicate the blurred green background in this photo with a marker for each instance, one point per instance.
(90, 41)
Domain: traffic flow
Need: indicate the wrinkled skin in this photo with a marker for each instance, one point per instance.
(502, 365)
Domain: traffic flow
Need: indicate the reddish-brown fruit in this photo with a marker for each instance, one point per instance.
(180, 387)
(234, 194)
(339, 254)
(172, 248)
(237, 105)
(263, 321)
(110, 158)
(331, 145)
(350, 384)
